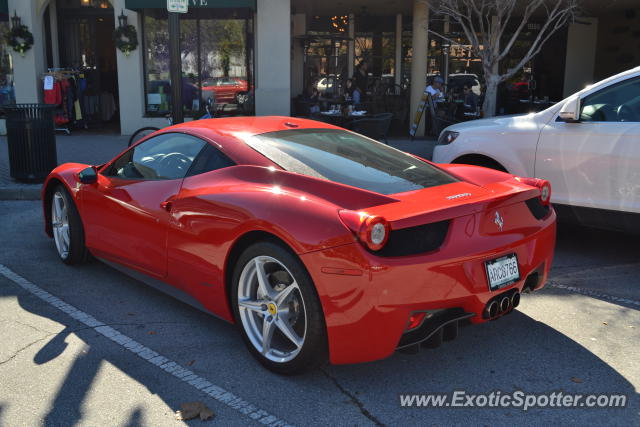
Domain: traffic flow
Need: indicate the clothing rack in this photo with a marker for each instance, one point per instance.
(60, 74)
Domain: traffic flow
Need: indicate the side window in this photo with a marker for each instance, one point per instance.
(166, 156)
(209, 159)
(616, 103)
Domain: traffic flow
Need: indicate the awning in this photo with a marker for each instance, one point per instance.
(162, 4)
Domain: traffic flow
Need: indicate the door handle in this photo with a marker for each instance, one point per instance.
(166, 205)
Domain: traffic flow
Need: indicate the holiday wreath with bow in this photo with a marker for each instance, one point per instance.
(126, 38)
(20, 39)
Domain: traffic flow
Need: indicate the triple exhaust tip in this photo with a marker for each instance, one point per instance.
(515, 299)
(492, 309)
(503, 305)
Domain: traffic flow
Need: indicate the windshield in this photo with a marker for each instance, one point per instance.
(348, 158)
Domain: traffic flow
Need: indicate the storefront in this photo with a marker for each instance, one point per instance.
(257, 56)
(126, 90)
(216, 51)
(84, 65)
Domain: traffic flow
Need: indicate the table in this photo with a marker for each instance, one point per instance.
(339, 119)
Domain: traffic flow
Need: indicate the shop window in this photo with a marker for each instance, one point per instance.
(217, 61)
(7, 93)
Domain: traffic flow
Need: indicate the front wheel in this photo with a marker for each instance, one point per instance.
(141, 133)
(66, 226)
(278, 310)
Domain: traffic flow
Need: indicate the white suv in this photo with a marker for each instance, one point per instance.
(587, 146)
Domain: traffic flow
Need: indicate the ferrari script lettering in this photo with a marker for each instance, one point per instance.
(457, 196)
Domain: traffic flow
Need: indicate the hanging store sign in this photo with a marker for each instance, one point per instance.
(178, 6)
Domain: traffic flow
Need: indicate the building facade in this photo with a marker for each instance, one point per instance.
(257, 56)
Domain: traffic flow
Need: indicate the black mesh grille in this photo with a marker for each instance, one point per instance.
(415, 240)
(538, 210)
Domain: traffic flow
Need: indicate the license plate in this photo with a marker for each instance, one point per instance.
(502, 272)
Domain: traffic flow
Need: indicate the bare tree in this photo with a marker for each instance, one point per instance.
(484, 22)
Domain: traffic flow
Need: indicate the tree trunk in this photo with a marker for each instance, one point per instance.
(489, 105)
(492, 79)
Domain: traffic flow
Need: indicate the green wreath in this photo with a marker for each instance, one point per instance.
(126, 38)
(20, 39)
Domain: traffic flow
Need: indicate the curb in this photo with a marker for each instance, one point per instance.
(20, 193)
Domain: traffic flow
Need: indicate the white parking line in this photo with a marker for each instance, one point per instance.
(152, 357)
(591, 293)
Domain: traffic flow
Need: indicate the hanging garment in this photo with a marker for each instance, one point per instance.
(78, 112)
(60, 119)
(66, 106)
(53, 96)
(91, 104)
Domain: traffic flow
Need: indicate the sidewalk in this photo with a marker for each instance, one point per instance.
(95, 149)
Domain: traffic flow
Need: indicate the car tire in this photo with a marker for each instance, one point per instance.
(141, 133)
(293, 328)
(66, 227)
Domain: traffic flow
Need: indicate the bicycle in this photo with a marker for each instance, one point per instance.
(148, 130)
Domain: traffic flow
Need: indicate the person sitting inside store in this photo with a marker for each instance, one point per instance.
(353, 94)
(311, 99)
(435, 88)
(470, 100)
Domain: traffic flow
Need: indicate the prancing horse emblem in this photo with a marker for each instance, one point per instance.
(499, 221)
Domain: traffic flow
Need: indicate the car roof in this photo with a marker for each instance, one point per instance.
(230, 133)
(632, 72)
(242, 127)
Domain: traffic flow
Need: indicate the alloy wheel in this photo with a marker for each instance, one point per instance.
(60, 225)
(272, 309)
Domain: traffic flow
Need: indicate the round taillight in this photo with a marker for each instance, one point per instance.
(545, 193)
(542, 184)
(375, 232)
(372, 231)
(378, 234)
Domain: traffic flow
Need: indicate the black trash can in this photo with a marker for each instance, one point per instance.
(32, 141)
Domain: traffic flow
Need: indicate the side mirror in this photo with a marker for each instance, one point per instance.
(88, 175)
(570, 111)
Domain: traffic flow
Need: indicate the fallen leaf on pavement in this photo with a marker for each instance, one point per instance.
(191, 410)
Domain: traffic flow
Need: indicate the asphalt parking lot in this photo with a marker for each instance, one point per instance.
(580, 335)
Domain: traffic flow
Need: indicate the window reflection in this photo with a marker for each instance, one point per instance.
(217, 58)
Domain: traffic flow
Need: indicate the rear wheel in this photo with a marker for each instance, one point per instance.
(141, 133)
(66, 227)
(278, 310)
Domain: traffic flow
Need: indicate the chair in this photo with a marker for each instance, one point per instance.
(438, 123)
(321, 118)
(375, 127)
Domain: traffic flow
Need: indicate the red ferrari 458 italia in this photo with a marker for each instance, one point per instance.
(319, 243)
